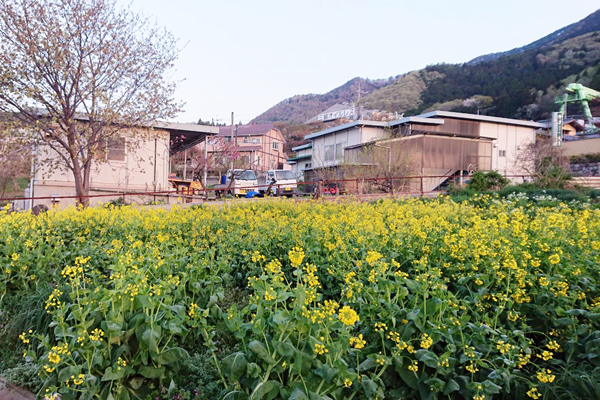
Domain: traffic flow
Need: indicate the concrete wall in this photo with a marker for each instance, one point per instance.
(581, 146)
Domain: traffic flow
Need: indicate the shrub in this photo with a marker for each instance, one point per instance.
(485, 181)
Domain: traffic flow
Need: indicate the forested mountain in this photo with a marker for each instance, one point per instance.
(520, 83)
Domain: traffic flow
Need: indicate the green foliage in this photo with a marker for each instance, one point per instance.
(485, 181)
(24, 375)
(585, 158)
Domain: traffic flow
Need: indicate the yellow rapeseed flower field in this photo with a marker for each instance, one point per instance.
(482, 299)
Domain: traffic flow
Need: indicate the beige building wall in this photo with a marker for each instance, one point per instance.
(134, 174)
(509, 141)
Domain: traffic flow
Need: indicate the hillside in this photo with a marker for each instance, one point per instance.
(519, 83)
(591, 23)
(300, 108)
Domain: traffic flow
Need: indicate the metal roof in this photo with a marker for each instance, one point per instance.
(300, 157)
(302, 147)
(185, 136)
(418, 120)
(484, 118)
(176, 126)
(246, 130)
(344, 127)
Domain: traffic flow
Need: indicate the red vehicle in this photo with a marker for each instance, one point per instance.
(331, 188)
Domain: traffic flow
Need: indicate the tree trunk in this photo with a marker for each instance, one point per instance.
(81, 187)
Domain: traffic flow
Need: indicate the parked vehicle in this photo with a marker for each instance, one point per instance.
(281, 183)
(244, 180)
(331, 188)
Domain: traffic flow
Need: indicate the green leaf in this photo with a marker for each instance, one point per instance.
(300, 294)
(136, 383)
(170, 355)
(491, 388)
(265, 390)
(408, 376)
(451, 386)
(285, 349)
(298, 394)
(113, 327)
(144, 300)
(151, 372)
(235, 395)
(110, 375)
(261, 351)
(302, 363)
(236, 365)
(326, 372)
(253, 370)
(151, 339)
(123, 395)
(179, 310)
(281, 317)
(366, 365)
(369, 387)
(427, 357)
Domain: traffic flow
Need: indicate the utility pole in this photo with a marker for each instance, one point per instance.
(358, 110)
(233, 144)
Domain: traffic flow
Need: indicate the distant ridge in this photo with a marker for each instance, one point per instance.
(591, 23)
(298, 109)
(519, 83)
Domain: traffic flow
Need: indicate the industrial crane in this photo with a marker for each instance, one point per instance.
(576, 92)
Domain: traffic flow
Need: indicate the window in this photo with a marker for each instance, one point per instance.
(115, 149)
(307, 165)
(329, 153)
(247, 175)
(339, 151)
(245, 139)
(255, 140)
(502, 153)
(275, 145)
(284, 175)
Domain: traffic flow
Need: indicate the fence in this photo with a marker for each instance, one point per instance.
(421, 185)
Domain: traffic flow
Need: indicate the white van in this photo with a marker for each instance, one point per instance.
(244, 180)
(282, 183)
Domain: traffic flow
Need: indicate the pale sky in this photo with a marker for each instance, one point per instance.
(247, 55)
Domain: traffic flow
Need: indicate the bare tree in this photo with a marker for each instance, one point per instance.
(546, 162)
(81, 73)
(383, 161)
(219, 158)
